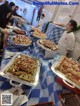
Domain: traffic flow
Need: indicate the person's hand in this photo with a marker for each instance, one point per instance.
(5, 31)
(23, 20)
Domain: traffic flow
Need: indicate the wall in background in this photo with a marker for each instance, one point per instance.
(61, 14)
(49, 10)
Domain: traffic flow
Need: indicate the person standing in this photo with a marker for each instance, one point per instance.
(5, 15)
(41, 21)
(39, 13)
(24, 13)
(66, 43)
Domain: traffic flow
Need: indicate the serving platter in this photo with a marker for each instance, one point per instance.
(13, 27)
(20, 40)
(38, 34)
(47, 47)
(19, 73)
(63, 76)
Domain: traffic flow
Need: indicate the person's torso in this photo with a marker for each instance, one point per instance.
(40, 24)
(63, 39)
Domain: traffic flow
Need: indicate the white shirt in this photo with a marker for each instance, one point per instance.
(76, 51)
(40, 24)
(67, 40)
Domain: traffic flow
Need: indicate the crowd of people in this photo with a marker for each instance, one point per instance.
(8, 14)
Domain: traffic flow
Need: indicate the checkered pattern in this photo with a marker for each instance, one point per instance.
(44, 27)
(54, 32)
(47, 88)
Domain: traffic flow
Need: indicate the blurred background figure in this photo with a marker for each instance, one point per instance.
(12, 6)
(15, 17)
(41, 21)
(15, 11)
(5, 15)
(24, 13)
(19, 11)
(39, 13)
(6, 2)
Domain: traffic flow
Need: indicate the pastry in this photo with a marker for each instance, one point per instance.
(23, 67)
(21, 40)
(39, 34)
(70, 68)
(48, 44)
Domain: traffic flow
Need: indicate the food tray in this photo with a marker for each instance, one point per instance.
(16, 79)
(48, 52)
(36, 33)
(45, 48)
(13, 43)
(34, 28)
(62, 76)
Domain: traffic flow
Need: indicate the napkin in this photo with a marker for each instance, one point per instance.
(18, 96)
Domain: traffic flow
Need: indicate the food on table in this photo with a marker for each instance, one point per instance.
(18, 31)
(21, 40)
(48, 44)
(34, 28)
(39, 34)
(70, 68)
(23, 67)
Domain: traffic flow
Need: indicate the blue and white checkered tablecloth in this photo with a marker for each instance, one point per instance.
(54, 32)
(47, 88)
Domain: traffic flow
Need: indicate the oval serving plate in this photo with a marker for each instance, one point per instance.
(18, 45)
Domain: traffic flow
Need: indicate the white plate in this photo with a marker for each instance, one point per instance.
(12, 42)
(45, 48)
(13, 27)
(9, 30)
(48, 52)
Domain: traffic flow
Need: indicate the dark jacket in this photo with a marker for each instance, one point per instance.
(4, 10)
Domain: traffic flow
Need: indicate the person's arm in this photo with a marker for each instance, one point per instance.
(4, 31)
(0, 29)
(15, 14)
(21, 19)
(16, 17)
(5, 37)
